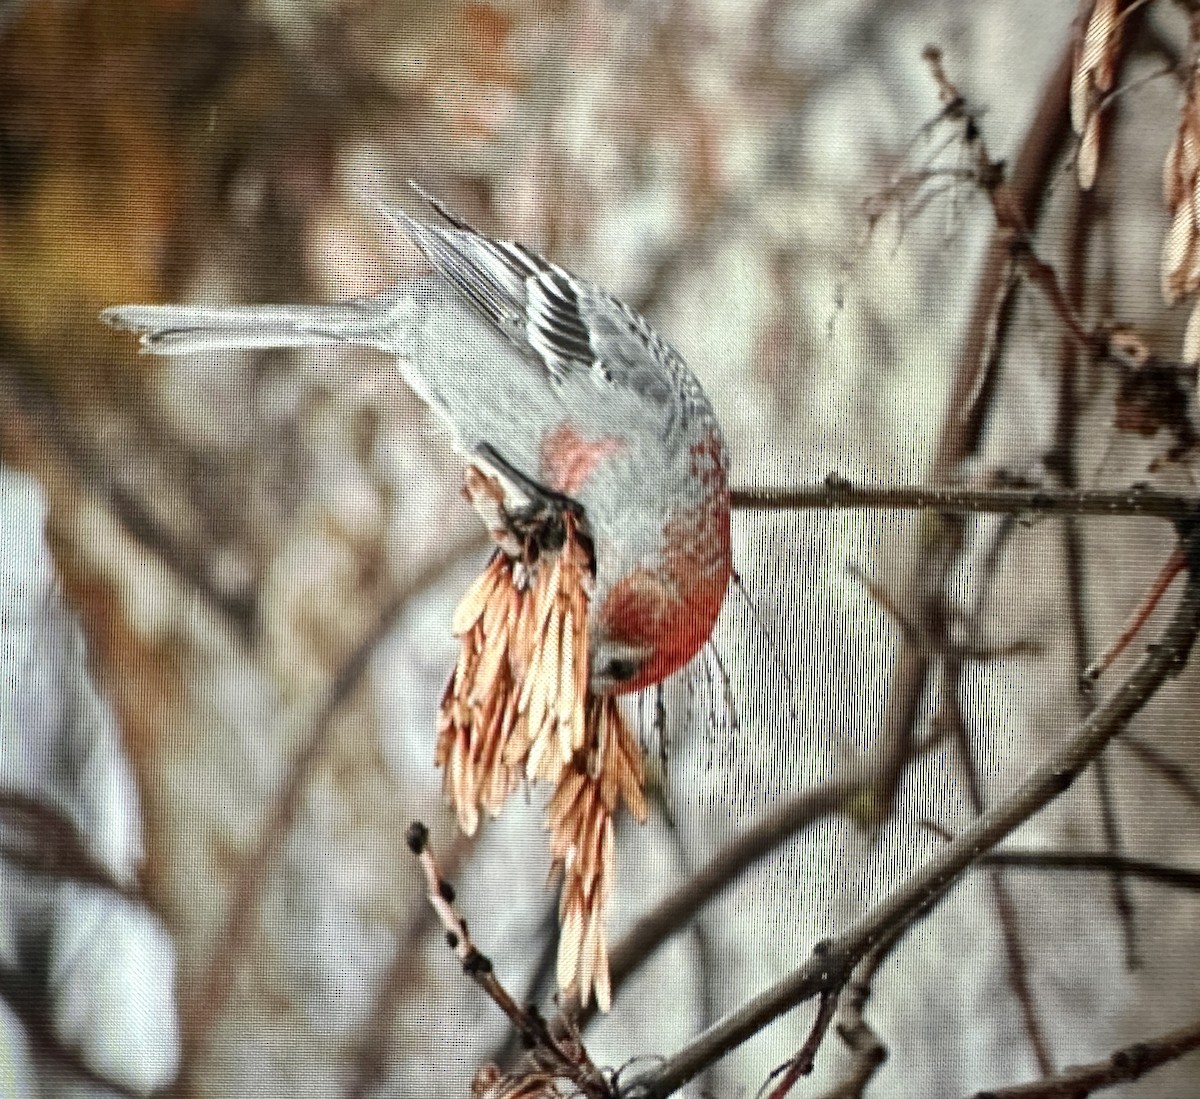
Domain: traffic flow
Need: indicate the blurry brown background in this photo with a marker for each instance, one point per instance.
(229, 578)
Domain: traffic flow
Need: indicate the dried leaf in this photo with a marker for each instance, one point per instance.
(602, 984)
(563, 805)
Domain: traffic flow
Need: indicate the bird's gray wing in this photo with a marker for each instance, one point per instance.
(552, 317)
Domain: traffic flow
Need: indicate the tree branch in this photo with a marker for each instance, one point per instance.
(838, 494)
(1128, 1063)
(1095, 862)
(832, 962)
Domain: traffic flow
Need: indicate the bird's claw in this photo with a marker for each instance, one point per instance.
(536, 522)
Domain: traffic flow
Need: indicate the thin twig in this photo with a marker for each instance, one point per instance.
(566, 1059)
(1063, 460)
(1141, 614)
(371, 1059)
(476, 965)
(1129, 1063)
(802, 1063)
(1007, 210)
(970, 401)
(538, 984)
(1095, 862)
(838, 494)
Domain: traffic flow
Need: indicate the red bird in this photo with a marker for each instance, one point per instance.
(558, 391)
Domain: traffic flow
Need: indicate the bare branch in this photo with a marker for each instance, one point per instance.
(42, 840)
(1128, 1063)
(830, 966)
(1095, 862)
(371, 1058)
(563, 1058)
(838, 494)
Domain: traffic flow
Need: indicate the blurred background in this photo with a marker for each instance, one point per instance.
(226, 580)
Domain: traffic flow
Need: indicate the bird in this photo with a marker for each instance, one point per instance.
(553, 389)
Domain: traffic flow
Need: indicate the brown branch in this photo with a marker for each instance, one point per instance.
(563, 1059)
(1176, 563)
(829, 968)
(1129, 1063)
(539, 982)
(953, 722)
(1018, 970)
(838, 494)
(970, 400)
(802, 1063)
(1007, 208)
(1032, 168)
(476, 965)
(371, 1057)
(1095, 862)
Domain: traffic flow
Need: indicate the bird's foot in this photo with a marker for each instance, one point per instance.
(525, 518)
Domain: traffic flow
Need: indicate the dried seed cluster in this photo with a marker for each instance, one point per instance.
(491, 1083)
(517, 707)
(1093, 78)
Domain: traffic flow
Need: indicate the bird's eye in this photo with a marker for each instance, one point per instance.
(621, 670)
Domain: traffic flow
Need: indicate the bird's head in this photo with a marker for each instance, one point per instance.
(649, 624)
(660, 552)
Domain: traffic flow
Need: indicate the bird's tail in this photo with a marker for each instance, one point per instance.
(181, 329)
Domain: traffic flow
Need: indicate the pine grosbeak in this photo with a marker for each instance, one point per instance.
(559, 392)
